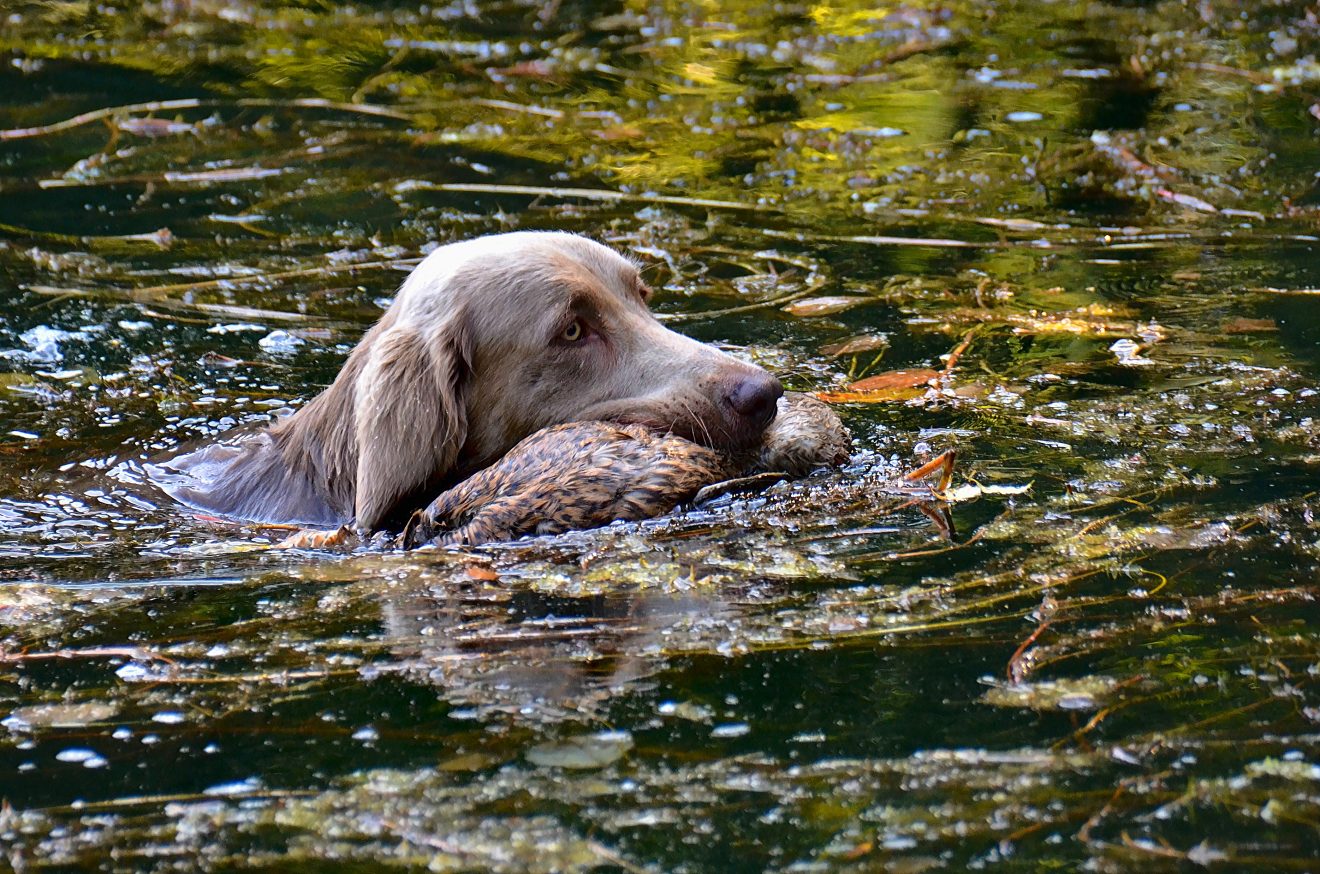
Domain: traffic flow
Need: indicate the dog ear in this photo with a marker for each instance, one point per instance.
(410, 415)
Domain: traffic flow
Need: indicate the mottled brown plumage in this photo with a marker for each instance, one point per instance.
(588, 474)
(805, 434)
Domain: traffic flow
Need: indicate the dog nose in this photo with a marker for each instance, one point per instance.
(754, 398)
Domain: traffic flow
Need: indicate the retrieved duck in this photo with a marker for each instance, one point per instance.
(588, 474)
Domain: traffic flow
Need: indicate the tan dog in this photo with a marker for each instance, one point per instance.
(488, 341)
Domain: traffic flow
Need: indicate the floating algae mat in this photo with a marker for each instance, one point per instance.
(1076, 245)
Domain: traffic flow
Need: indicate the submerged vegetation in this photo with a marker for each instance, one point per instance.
(1074, 242)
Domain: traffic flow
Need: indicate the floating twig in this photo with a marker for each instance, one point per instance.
(81, 119)
(162, 237)
(1017, 670)
(91, 652)
(943, 463)
(606, 194)
(159, 293)
(510, 106)
(145, 297)
(935, 242)
(171, 177)
(196, 103)
(951, 360)
(813, 283)
(159, 801)
(941, 550)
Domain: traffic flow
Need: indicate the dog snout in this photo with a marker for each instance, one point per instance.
(754, 397)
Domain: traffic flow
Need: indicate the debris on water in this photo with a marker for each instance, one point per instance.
(823, 306)
(1128, 353)
(689, 710)
(281, 342)
(1296, 769)
(45, 345)
(235, 328)
(238, 787)
(141, 672)
(730, 730)
(970, 491)
(582, 752)
(895, 385)
(1205, 855)
(60, 714)
(1082, 693)
(856, 344)
(152, 127)
(1244, 325)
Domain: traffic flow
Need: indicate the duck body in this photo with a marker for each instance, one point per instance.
(587, 474)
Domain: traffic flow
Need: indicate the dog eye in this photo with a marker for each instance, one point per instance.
(573, 332)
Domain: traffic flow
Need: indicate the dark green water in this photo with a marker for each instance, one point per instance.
(1112, 208)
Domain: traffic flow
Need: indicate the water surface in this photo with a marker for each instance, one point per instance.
(1096, 223)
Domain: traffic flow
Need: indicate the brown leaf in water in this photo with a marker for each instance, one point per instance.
(1243, 325)
(620, 132)
(895, 379)
(859, 343)
(896, 385)
(485, 574)
(868, 397)
(823, 306)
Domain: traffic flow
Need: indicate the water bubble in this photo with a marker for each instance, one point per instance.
(281, 342)
(82, 756)
(731, 729)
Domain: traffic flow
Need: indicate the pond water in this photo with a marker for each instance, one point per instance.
(1094, 226)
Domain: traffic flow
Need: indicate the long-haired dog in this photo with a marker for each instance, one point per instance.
(488, 341)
